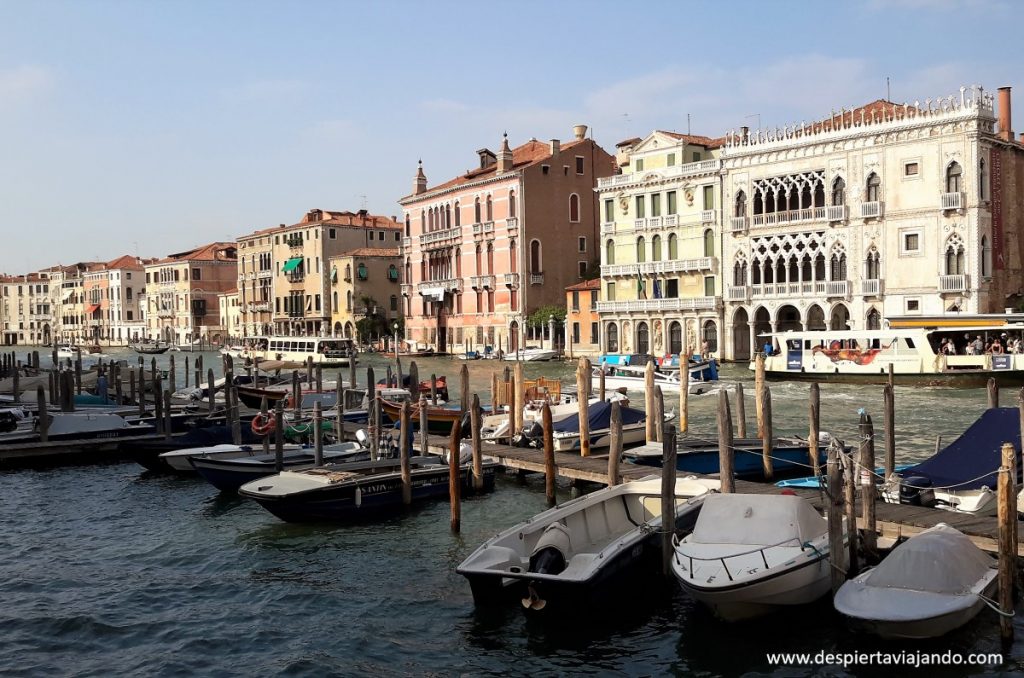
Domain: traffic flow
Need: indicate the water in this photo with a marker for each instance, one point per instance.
(106, 569)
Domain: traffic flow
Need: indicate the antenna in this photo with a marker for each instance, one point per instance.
(362, 203)
(888, 92)
(754, 115)
(687, 124)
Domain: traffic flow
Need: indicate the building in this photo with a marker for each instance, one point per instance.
(182, 291)
(67, 301)
(486, 249)
(230, 313)
(582, 321)
(96, 285)
(25, 309)
(660, 226)
(881, 211)
(282, 282)
(126, 285)
(365, 285)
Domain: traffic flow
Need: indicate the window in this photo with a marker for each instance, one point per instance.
(582, 243)
(361, 271)
(370, 236)
(986, 257)
(609, 210)
(955, 257)
(575, 333)
(672, 288)
(398, 236)
(981, 179)
(581, 267)
(641, 250)
(640, 205)
(513, 259)
(574, 208)
(593, 302)
(911, 169)
(579, 164)
(639, 164)
(709, 197)
(610, 289)
(656, 248)
(741, 204)
(696, 156)
(910, 243)
(873, 265)
(394, 302)
(490, 209)
(839, 191)
(332, 233)
(458, 214)
(874, 186)
(954, 178)
(673, 247)
(913, 305)
(655, 204)
(709, 243)
(476, 211)
(535, 256)
(511, 204)
(609, 252)
(709, 286)
(317, 305)
(392, 273)
(670, 207)
(490, 258)
(545, 169)
(612, 337)
(643, 338)
(575, 300)
(671, 160)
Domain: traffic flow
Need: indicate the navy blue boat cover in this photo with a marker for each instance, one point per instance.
(600, 417)
(976, 452)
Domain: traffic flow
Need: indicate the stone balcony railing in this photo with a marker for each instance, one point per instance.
(440, 237)
(448, 284)
(512, 280)
(708, 216)
(512, 224)
(739, 293)
(688, 169)
(872, 210)
(479, 282)
(817, 288)
(952, 201)
(686, 304)
(406, 243)
(607, 227)
(265, 274)
(871, 287)
(738, 224)
(655, 267)
(953, 283)
(536, 278)
(258, 306)
(483, 228)
(835, 213)
(406, 289)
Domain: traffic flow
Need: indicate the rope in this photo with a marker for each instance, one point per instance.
(995, 606)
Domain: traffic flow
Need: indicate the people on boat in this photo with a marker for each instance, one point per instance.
(768, 348)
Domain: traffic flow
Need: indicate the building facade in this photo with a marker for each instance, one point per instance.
(364, 283)
(67, 301)
(486, 249)
(881, 211)
(661, 245)
(126, 289)
(182, 291)
(25, 309)
(230, 313)
(582, 321)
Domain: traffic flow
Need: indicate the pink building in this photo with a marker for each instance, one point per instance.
(484, 250)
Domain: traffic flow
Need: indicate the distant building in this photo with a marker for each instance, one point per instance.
(230, 313)
(25, 309)
(182, 293)
(67, 301)
(582, 322)
(365, 284)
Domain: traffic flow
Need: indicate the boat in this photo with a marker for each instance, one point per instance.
(865, 356)
(566, 432)
(440, 418)
(71, 426)
(68, 351)
(814, 482)
(633, 378)
(95, 349)
(700, 455)
(147, 453)
(531, 355)
(325, 351)
(753, 554)
(178, 460)
(151, 347)
(707, 368)
(962, 476)
(470, 355)
(929, 585)
(567, 556)
(229, 474)
(334, 493)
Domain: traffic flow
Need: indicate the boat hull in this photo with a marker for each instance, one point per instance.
(963, 379)
(746, 464)
(228, 477)
(439, 420)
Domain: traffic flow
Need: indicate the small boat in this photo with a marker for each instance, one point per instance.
(68, 351)
(962, 476)
(632, 378)
(470, 355)
(440, 418)
(151, 347)
(69, 426)
(147, 454)
(95, 349)
(814, 482)
(934, 582)
(334, 493)
(566, 432)
(585, 548)
(229, 474)
(531, 355)
(752, 554)
(700, 455)
(179, 460)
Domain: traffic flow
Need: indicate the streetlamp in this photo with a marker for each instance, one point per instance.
(395, 326)
(551, 330)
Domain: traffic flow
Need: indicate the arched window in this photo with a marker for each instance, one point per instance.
(656, 248)
(408, 271)
(574, 208)
(423, 221)
(819, 266)
(393, 273)
(458, 263)
(643, 338)
(490, 258)
(612, 338)
(394, 302)
(981, 179)
(458, 214)
(739, 274)
(490, 209)
(710, 335)
(838, 191)
(874, 186)
(348, 301)
(609, 252)
(512, 204)
(334, 299)
(709, 243)
(535, 258)
(476, 211)
(838, 266)
(954, 178)
(741, 204)
(986, 257)
(675, 337)
(873, 320)
(479, 261)
(673, 247)
(447, 216)
(408, 231)
(873, 265)
(430, 220)
(361, 271)
(955, 257)
(641, 250)
(348, 271)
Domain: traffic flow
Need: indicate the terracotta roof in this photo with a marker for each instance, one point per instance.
(233, 290)
(372, 252)
(628, 142)
(126, 261)
(361, 219)
(594, 284)
(530, 153)
(696, 139)
(215, 251)
(875, 109)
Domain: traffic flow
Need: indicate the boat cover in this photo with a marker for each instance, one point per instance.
(939, 560)
(974, 454)
(757, 520)
(600, 417)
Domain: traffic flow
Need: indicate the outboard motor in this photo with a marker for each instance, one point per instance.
(531, 435)
(917, 491)
(551, 555)
(467, 424)
(8, 422)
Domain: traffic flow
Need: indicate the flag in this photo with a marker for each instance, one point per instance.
(657, 289)
(641, 293)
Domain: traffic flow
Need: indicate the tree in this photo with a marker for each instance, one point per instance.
(540, 317)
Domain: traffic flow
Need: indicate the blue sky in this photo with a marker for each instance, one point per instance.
(152, 127)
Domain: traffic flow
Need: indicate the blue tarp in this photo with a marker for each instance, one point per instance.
(600, 417)
(974, 454)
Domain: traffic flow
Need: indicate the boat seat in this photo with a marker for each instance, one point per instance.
(605, 521)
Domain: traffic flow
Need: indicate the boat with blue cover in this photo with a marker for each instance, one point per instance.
(566, 431)
(700, 455)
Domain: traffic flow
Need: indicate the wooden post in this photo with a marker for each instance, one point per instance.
(850, 503)
(890, 378)
(378, 422)
(867, 482)
(615, 445)
(168, 423)
(52, 388)
(520, 394)
(993, 393)
(659, 414)
(759, 392)
(118, 386)
(649, 430)
(43, 417)
(424, 428)
(403, 454)
(550, 472)
(186, 372)
(600, 384)
(199, 372)
(309, 372)
(494, 392)
(278, 435)
(834, 497)
(318, 434)
(814, 430)
(414, 379)
(726, 453)
(582, 407)
(668, 498)
(477, 444)
(319, 378)
(172, 379)
(433, 390)
(158, 405)
(890, 430)
(264, 416)
(210, 388)
(515, 418)
(231, 400)
(371, 386)
(78, 374)
(455, 476)
(152, 372)
(389, 375)
(69, 392)
(464, 387)
(1007, 539)
(16, 384)
(767, 440)
(296, 395)
(339, 408)
(371, 426)
(352, 372)
(741, 412)
(142, 391)
(684, 393)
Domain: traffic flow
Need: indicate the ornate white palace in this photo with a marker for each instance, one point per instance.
(880, 211)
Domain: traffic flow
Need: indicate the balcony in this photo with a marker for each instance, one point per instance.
(671, 220)
(708, 216)
(737, 224)
(295, 277)
(689, 169)
(259, 306)
(655, 267)
(837, 288)
(483, 228)
(265, 274)
(406, 290)
(639, 224)
(512, 280)
(447, 235)
(479, 282)
(952, 283)
(871, 287)
(739, 293)
(406, 244)
(447, 284)
(835, 213)
(872, 210)
(165, 313)
(688, 304)
(607, 227)
(512, 224)
(790, 216)
(815, 288)
(293, 242)
(952, 201)
(536, 278)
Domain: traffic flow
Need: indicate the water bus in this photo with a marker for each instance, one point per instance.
(325, 351)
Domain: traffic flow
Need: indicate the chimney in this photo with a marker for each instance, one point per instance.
(556, 146)
(419, 184)
(1005, 127)
(504, 155)
(579, 131)
(487, 158)
(744, 134)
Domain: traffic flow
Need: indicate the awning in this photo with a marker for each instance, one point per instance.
(292, 264)
(92, 309)
(433, 292)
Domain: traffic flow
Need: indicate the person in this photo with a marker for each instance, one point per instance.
(978, 345)
(705, 351)
(997, 348)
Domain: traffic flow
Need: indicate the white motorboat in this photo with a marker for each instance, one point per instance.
(932, 583)
(68, 351)
(752, 554)
(581, 549)
(531, 355)
(178, 460)
(78, 426)
(632, 378)
(497, 426)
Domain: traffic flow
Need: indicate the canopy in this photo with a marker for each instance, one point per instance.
(91, 309)
(291, 264)
(433, 292)
(941, 560)
(976, 455)
(600, 417)
(757, 520)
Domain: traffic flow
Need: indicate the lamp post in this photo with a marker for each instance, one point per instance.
(395, 326)
(551, 331)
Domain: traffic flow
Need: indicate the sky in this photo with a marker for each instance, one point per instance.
(153, 127)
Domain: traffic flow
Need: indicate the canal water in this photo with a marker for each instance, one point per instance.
(110, 570)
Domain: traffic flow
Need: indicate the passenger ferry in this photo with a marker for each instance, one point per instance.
(915, 355)
(325, 351)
